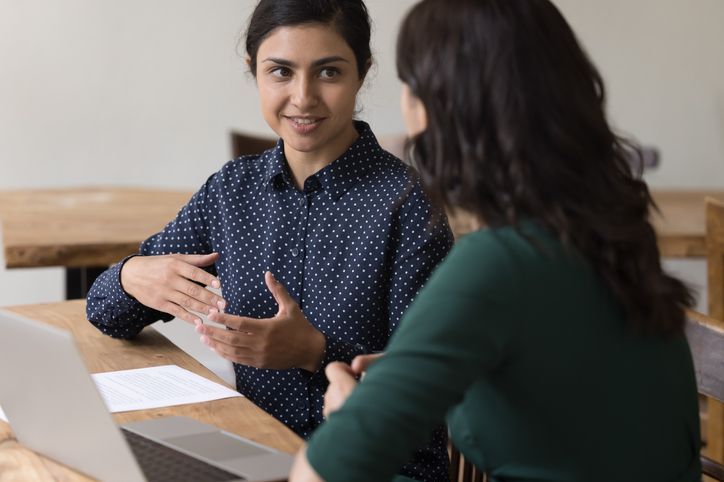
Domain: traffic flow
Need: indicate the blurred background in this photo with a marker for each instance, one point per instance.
(145, 93)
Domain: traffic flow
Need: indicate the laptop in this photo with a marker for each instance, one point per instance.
(55, 409)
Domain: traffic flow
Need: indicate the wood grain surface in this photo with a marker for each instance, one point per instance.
(80, 227)
(102, 353)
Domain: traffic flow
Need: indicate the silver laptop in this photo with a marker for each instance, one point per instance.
(55, 409)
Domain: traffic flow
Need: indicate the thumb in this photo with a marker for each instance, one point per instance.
(278, 291)
(339, 373)
(198, 260)
(361, 363)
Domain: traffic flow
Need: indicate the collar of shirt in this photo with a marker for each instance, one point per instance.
(337, 177)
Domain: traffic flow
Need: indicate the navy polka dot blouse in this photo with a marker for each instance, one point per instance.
(353, 248)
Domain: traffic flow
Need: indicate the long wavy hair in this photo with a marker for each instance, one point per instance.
(517, 129)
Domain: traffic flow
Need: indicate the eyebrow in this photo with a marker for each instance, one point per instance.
(319, 62)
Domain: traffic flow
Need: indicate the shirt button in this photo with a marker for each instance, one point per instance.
(303, 201)
(295, 252)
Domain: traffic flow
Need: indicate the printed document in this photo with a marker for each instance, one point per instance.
(2, 415)
(156, 387)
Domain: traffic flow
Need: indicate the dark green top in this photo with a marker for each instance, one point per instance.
(528, 356)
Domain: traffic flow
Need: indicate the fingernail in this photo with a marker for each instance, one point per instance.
(216, 284)
(221, 304)
(198, 321)
(199, 328)
(205, 340)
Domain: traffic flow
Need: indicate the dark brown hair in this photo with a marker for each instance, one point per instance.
(348, 17)
(517, 129)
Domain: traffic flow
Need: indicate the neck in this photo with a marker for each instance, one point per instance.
(305, 164)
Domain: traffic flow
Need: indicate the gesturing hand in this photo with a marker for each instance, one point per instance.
(166, 283)
(284, 341)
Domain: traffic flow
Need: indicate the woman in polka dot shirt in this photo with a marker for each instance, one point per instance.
(319, 244)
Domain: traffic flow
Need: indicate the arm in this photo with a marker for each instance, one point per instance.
(122, 307)
(441, 349)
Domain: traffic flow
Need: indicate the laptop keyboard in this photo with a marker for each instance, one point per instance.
(163, 464)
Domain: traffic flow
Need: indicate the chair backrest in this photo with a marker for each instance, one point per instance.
(715, 257)
(462, 470)
(706, 340)
(243, 144)
(714, 422)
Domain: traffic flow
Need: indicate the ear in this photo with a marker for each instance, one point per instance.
(368, 66)
(413, 111)
(248, 61)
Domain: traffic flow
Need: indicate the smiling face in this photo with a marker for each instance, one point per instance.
(308, 83)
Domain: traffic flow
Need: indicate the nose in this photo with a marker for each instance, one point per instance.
(304, 93)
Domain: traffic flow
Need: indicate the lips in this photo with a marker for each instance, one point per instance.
(304, 125)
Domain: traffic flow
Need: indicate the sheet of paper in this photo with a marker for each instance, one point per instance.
(156, 387)
(2, 415)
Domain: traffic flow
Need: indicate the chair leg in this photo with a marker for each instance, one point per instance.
(454, 464)
(715, 430)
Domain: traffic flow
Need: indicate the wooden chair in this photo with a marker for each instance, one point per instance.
(243, 144)
(706, 339)
(714, 426)
(461, 470)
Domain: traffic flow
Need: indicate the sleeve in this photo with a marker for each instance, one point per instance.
(442, 347)
(115, 312)
(420, 240)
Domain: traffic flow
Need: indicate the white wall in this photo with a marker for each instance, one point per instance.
(663, 63)
(144, 92)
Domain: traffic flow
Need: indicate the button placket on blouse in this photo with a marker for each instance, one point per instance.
(297, 251)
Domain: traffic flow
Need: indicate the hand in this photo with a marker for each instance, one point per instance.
(285, 341)
(341, 384)
(302, 471)
(361, 363)
(166, 283)
(342, 380)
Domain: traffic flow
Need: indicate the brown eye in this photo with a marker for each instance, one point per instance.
(281, 72)
(328, 73)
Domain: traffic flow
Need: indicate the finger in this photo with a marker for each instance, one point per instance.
(200, 260)
(226, 337)
(361, 363)
(279, 292)
(185, 267)
(198, 293)
(340, 373)
(175, 310)
(245, 356)
(188, 303)
(240, 323)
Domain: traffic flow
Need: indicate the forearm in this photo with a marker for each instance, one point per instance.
(113, 311)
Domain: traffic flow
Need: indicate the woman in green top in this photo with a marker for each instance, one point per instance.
(550, 340)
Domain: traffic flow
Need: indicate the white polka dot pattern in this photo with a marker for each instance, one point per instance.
(353, 248)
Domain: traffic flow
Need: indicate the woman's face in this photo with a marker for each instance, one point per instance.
(308, 83)
(413, 112)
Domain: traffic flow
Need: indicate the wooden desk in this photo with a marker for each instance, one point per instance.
(681, 226)
(102, 353)
(81, 228)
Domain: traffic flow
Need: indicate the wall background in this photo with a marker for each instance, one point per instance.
(98, 92)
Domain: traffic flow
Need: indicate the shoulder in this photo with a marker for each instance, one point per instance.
(400, 180)
(241, 172)
(498, 260)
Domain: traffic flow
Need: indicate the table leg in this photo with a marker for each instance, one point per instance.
(79, 280)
